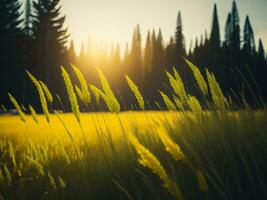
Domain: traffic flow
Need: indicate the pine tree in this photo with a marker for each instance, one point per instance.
(117, 57)
(10, 49)
(235, 29)
(136, 56)
(261, 51)
(179, 37)
(10, 23)
(148, 54)
(158, 61)
(160, 49)
(72, 53)
(28, 19)
(206, 38)
(248, 40)
(126, 55)
(190, 52)
(50, 38)
(201, 41)
(215, 30)
(170, 55)
(228, 31)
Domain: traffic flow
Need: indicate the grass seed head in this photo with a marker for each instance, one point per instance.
(136, 93)
(41, 95)
(18, 108)
(151, 162)
(72, 96)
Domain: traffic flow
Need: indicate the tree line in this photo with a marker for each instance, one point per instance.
(36, 39)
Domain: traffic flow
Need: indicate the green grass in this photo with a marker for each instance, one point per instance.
(229, 148)
(193, 151)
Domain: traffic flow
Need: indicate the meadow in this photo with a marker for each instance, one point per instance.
(189, 149)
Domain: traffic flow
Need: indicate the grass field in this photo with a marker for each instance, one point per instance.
(211, 149)
(230, 150)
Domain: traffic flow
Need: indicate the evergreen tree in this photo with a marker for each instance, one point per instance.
(190, 52)
(171, 54)
(148, 54)
(206, 38)
(235, 29)
(180, 49)
(158, 63)
(248, 40)
(179, 37)
(50, 38)
(28, 19)
(136, 56)
(117, 57)
(10, 52)
(72, 53)
(160, 49)
(228, 31)
(261, 51)
(215, 30)
(201, 41)
(126, 56)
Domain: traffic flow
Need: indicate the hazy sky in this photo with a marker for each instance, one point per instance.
(113, 20)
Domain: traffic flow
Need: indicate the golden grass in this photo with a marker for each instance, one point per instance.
(12, 126)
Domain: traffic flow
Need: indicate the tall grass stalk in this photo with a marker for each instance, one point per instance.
(202, 183)
(41, 95)
(33, 114)
(151, 162)
(194, 105)
(170, 105)
(38, 166)
(108, 101)
(218, 98)
(73, 100)
(79, 93)
(108, 91)
(199, 78)
(68, 133)
(83, 84)
(3, 108)
(136, 92)
(170, 146)
(72, 96)
(47, 92)
(18, 108)
(60, 102)
(179, 87)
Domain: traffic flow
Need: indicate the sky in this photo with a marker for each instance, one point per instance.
(112, 21)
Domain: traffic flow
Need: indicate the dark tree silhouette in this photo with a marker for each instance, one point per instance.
(117, 57)
(10, 52)
(148, 54)
(227, 31)
(235, 29)
(135, 70)
(72, 54)
(248, 40)
(171, 55)
(215, 31)
(39, 44)
(261, 51)
(28, 18)
(179, 37)
(50, 39)
(157, 61)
